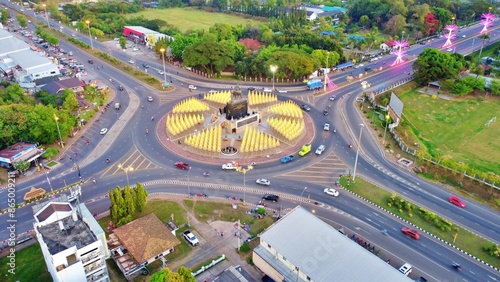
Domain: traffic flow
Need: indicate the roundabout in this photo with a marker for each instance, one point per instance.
(228, 126)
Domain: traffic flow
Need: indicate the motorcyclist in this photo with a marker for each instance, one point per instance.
(152, 118)
(147, 131)
(107, 160)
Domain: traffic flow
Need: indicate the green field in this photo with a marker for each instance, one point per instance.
(190, 19)
(457, 128)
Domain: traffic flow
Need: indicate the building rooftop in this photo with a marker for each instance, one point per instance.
(9, 45)
(141, 29)
(13, 150)
(146, 237)
(234, 274)
(66, 232)
(300, 236)
(29, 60)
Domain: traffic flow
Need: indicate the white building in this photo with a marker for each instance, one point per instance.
(73, 244)
(27, 66)
(301, 247)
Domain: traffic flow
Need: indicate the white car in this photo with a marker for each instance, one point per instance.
(331, 192)
(192, 87)
(283, 91)
(191, 238)
(326, 126)
(131, 62)
(160, 72)
(449, 50)
(212, 91)
(104, 131)
(463, 36)
(229, 166)
(263, 181)
(332, 98)
(320, 150)
(150, 98)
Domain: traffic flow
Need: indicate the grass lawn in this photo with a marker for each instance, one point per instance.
(456, 128)
(29, 264)
(191, 18)
(465, 240)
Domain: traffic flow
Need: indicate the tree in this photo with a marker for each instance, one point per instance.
(209, 55)
(364, 21)
(140, 197)
(70, 103)
(395, 25)
(22, 20)
(443, 15)
(431, 23)
(484, 37)
(495, 86)
(4, 16)
(183, 274)
(433, 64)
(123, 42)
(22, 166)
(128, 197)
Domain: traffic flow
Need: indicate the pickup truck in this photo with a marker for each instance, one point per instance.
(287, 159)
(305, 150)
(191, 238)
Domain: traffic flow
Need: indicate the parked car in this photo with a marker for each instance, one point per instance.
(305, 108)
(191, 238)
(263, 181)
(457, 201)
(229, 166)
(412, 233)
(287, 159)
(192, 87)
(326, 126)
(405, 269)
(331, 192)
(270, 197)
(104, 131)
(182, 165)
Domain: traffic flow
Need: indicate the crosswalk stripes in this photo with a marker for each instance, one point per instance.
(134, 161)
(306, 98)
(324, 172)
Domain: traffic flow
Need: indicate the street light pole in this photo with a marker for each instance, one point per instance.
(162, 50)
(126, 169)
(48, 180)
(273, 70)
(78, 168)
(305, 188)
(58, 130)
(189, 183)
(386, 122)
(90, 36)
(357, 153)
(244, 171)
(46, 15)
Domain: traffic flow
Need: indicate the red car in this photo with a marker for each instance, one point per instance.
(182, 165)
(410, 232)
(456, 201)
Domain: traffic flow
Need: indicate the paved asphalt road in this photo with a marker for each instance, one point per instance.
(427, 254)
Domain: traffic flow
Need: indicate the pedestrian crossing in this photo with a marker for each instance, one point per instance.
(309, 98)
(174, 95)
(134, 161)
(325, 172)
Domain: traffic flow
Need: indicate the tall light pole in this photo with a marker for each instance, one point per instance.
(357, 153)
(189, 184)
(273, 70)
(47, 176)
(126, 169)
(90, 35)
(244, 171)
(305, 188)
(386, 122)
(78, 168)
(59, 131)
(162, 50)
(46, 15)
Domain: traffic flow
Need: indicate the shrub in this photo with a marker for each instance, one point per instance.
(245, 247)
(50, 152)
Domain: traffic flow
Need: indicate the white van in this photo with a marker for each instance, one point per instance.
(117, 106)
(405, 269)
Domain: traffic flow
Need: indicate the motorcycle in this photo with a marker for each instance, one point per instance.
(206, 173)
(147, 131)
(107, 160)
(350, 145)
(152, 118)
(334, 130)
(457, 266)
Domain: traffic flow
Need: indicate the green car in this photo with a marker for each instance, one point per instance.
(305, 150)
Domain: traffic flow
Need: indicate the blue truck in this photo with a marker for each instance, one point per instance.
(287, 159)
(314, 84)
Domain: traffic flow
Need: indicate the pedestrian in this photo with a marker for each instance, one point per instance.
(222, 233)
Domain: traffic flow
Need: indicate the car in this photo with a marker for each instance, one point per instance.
(251, 88)
(463, 36)
(145, 65)
(189, 236)
(325, 112)
(192, 87)
(368, 69)
(135, 49)
(212, 91)
(160, 72)
(457, 201)
(121, 88)
(104, 131)
(267, 90)
(405, 269)
(287, 159)
(422, 42)
(331, 192)
(306, 148)
(229, 166)
(90, 61)
(283, 91)
(270, 197)
(326, 126)
(131, 62)
(332, 98)
(182, 165)
(449, 50)
(263, 181)
(305, 108)
(320, 150)
(150, 98)
(412, 233)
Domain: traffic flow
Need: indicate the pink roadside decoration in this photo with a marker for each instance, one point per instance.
(487, 21)
(451, 28)
(399, 50)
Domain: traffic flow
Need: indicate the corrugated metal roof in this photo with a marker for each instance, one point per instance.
(28, 59)
(321, 252)
(11, 45)
(141, 29)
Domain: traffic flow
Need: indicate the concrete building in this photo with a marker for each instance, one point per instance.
(301, 247)
(73, 244)
(18, 60)
(142, 35)
(21, 151)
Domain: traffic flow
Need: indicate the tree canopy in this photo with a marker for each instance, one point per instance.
(432, 64)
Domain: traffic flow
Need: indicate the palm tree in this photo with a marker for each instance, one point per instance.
(484, 37)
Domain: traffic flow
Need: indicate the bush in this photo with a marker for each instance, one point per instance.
(245, 247)
(78, 42)
(50, 152)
